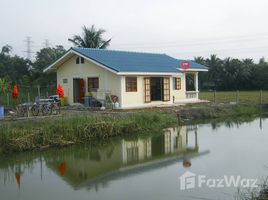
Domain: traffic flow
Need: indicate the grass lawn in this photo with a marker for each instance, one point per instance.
(230, 96)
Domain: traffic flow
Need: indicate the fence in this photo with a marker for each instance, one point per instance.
(27, 94)
(252, 97)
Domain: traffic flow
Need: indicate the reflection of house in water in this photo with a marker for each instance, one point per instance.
(173, 140)
(135, 151)
(85, 165)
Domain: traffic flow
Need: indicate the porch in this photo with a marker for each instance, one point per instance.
(191, 90)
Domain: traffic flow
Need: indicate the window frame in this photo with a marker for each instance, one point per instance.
(82, 60)
(77, 60)
(129, 82)
(95, 86)
(177, 81)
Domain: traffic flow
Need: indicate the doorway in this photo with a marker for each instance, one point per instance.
(78, 90)
(156, 89)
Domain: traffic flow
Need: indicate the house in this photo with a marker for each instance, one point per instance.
(137, 79)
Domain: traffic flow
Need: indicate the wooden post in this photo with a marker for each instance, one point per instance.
(38, 90)
(8, 99)
(214, 96)
(261, 97)
(237, 96)
(28, 97)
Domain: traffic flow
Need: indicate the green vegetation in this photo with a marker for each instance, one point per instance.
(27, 75)
(249, 97)
(38, 134)
(260, 193)
(233, 74)
(21, 136)
(222, 112)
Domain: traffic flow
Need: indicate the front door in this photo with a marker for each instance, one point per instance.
(78, 90)
(156, 89)
(81, 90)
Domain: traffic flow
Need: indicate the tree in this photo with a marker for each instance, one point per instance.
(6, 49)
(91, 38)
(4, 86)
(215, 68)
(44, 58)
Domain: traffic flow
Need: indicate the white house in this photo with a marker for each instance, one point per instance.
(137, 79)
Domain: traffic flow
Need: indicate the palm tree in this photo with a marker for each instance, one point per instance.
(215, 68)
(91, 38)
(6, 49)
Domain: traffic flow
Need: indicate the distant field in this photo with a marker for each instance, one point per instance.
(230, 96)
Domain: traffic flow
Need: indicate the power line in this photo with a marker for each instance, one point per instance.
(28, 51)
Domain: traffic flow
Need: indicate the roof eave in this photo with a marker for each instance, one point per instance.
(193, 70)
(72, 51)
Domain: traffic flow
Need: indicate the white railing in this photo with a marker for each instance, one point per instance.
(192, 95)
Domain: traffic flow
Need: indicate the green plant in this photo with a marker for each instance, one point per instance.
(64, 101)
(4, 86)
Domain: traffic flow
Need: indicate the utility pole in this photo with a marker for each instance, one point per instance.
(46, 43)
(28, 51)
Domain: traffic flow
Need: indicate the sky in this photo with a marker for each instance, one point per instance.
(180, 28)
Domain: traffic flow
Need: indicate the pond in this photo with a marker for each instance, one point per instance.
(143, 167)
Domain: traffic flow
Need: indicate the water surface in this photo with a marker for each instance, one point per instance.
(142, 167)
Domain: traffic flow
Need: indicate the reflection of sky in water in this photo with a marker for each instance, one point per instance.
(66, 173)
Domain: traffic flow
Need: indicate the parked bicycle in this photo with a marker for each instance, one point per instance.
(46, 106)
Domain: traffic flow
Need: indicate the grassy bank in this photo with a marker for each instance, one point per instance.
(33, 135)
(221, 111)
(39, 134)
(249, 97)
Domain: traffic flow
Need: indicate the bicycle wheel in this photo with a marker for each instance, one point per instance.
(46, 109)
(55, 109)
(35, 110)
(20, 111)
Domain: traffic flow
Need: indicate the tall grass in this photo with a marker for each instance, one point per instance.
(58, 132)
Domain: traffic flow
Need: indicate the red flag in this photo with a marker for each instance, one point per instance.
(15, 92)
(60, 91)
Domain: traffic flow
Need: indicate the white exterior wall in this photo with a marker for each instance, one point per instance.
(70, 70)
(179, 95)
(136, 99)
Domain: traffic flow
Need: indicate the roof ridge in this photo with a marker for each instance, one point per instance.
(121, 51)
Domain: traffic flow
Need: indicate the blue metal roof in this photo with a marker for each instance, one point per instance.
(124, 61)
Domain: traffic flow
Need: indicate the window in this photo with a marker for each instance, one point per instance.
(65, 81)
(131, 84)
(79, 60)
(82, 60)
(177, 83)
(93, 84)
